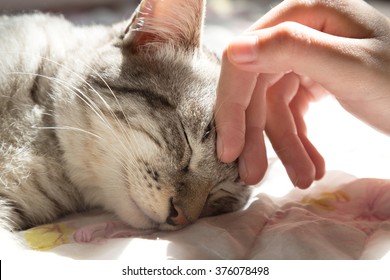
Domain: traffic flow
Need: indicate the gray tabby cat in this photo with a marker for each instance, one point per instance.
(117, 117)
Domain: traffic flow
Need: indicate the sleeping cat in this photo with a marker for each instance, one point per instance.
(118, 117)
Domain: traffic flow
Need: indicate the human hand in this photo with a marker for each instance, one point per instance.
(298, 51)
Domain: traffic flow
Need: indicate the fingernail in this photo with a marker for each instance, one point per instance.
(243, 49)
(242, 169)
(219, 147)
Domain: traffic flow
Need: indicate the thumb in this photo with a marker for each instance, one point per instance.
(290, 46)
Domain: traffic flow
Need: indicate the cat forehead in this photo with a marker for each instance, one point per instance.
(185, 81)
(180, 76)
(169, 63)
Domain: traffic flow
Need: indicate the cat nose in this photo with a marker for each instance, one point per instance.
(176, 216)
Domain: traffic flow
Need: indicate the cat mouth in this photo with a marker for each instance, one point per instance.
(154, 224)
(149, 220)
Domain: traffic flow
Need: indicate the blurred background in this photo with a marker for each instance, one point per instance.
(225, 18)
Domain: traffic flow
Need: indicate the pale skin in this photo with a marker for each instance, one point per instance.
(296, 53)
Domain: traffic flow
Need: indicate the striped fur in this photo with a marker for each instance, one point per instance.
(94, 117)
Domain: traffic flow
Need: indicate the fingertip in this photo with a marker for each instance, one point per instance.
(229, 144)
(315, 156)
(242, 170)
(320, 170)
(253, 175)
(304, 183)
(253, 162)
(303, 178)
(220, 148)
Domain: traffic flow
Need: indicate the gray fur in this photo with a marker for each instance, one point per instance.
(96, 117)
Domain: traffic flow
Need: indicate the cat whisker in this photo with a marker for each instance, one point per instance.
(114, 116)
(111, 112)
(68, 128)
(89, 102)
(81, 95)
(64, 82)
(92, 105)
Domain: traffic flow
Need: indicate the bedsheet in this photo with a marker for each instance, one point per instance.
(344, 216)
(340, 218)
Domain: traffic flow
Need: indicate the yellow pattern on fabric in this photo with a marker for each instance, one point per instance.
(46, 237)
(326, 199)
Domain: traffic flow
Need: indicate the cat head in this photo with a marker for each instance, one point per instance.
(148, 105)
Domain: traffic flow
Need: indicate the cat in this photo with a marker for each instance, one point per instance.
(117, 117)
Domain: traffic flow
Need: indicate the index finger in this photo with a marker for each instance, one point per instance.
(234, 93)
(337, 18)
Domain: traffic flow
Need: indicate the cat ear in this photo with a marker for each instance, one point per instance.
(175, 22)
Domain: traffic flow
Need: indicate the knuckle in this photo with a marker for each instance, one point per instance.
(307, 3)
(288, 40)
(288, 31)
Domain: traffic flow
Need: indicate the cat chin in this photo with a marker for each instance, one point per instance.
(138, 219)
(128, 210)
(168, 227)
